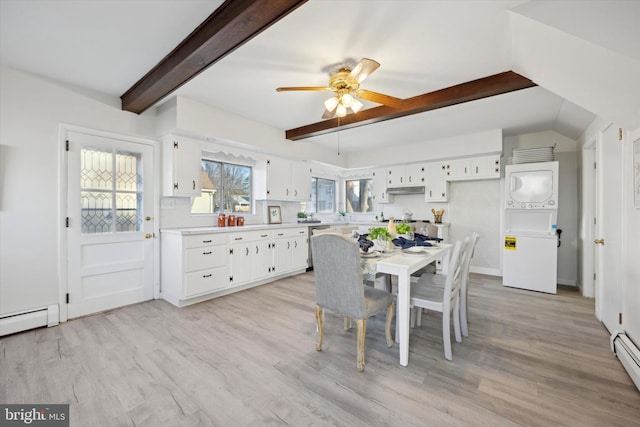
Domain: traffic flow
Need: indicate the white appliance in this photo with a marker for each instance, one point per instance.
(530, 251)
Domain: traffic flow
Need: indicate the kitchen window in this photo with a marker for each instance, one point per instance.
(226, 187)
(323, 196)
(358, 195)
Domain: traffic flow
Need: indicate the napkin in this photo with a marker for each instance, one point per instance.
(422, 238)
(404, 243)
(364, 244)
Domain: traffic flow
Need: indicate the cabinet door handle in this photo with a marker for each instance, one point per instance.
(238, 238)
(194, 185)
(257, 249)
(207, 275)
(476, 169)
(247, 249)
(295, 244)
(288, 245)
(206, 253)
(206, 241)
(263, 235)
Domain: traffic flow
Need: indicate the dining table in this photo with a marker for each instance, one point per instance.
(402, 264)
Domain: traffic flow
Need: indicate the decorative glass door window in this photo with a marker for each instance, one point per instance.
(110, 190)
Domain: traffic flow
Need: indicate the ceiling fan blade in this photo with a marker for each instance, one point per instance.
(362, 70)
(328, 114)
(322, 88)
(379, 98)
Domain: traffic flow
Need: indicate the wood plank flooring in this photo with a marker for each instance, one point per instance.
(249, 359)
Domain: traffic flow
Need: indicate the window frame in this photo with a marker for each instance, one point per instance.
(314, 190)
(346, 183)
(222, 164)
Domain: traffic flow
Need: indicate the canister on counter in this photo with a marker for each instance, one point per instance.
(222, 220)
(231, 221)
(240, 221)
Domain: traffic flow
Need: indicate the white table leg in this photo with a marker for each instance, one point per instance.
(403, 317)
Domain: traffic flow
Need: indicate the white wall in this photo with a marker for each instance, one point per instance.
(31, 111)
(631, 243)
(475, 144)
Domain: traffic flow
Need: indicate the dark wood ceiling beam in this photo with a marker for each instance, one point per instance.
(496, 84)
(230, 26)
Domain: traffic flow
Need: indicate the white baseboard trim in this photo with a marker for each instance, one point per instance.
(569, 282)
(486, 270)
(29, 319)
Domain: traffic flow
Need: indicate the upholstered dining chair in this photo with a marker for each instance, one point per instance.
(340, 288)
(441, 299)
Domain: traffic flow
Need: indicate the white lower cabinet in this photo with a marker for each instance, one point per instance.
(251, 256)
(291, 249)
(193, 265)
(196, 267)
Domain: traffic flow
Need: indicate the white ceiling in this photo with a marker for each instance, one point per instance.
(106, 46)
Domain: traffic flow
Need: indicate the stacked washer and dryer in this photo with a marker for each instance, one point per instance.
(530, 252)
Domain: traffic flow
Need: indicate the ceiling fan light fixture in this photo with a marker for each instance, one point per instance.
(347, 100)
(341, 110)
(331, 103)
(356, 105)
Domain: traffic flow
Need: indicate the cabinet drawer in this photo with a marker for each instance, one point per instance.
(204, 281)
(250, 236)
(206, 257)
(198, 240)
(290, 232)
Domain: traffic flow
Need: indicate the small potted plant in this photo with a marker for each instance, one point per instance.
(343, 215)
(403, 228)
(381, 236)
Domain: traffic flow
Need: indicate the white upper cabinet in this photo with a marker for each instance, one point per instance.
(181, 158)
(286, 180)
(380, 186)
(437, 187)
(301, 181)
(485, 167)
(279, 179)
(404, 176)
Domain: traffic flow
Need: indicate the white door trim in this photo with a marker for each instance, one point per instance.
(63, 274)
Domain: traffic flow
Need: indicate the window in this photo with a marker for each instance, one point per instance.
(323, 196)
(111, 190)
(358, 197)
(225, 188)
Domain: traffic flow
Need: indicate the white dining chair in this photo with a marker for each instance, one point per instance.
(439, 280)
(444, 299)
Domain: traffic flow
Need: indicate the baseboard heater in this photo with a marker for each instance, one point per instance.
(628, 354)
(29, 319)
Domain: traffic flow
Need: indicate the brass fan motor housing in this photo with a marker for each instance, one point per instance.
(340, 83)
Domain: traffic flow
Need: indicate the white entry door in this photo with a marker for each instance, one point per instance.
(609, 229)
(110, 223)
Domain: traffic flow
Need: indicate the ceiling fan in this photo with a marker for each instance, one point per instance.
(346, 85)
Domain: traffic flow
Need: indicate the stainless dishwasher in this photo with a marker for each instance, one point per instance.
(311, 228)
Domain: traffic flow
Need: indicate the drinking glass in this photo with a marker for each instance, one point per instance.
(382, 243)
(410, 235)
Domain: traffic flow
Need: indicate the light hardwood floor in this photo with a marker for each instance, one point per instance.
(249, 359)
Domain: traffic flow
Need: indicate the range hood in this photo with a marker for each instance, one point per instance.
(419, 189)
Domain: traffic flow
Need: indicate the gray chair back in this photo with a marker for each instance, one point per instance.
(338, 274)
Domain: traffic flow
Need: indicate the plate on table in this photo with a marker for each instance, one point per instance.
(372, 254)
(415, 250)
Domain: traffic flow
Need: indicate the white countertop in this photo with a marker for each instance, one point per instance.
(201, 230)
(214, 229)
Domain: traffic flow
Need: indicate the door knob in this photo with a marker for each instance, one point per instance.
(148, 236)
(599, 241)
